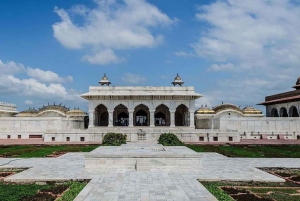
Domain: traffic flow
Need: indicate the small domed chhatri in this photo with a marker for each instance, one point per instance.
(104, 81)
(76, 112)
(251, 110)
(205, 110)
(178, 81)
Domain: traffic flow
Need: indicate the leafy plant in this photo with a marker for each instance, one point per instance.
(114, 139)
(213, 188)
(74, 190)
(169, 139)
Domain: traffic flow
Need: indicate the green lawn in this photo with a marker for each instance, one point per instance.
(31, 192)
(282, 192)
(26, 151)
(253, 151)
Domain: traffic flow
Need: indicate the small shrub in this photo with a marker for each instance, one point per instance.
(169, 139)
(114, 139)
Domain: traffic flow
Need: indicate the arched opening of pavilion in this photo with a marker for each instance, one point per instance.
(274, 112)
(182, 116)
(121, 116)
(283, 112)
(141, 115)
(162, 116)
(293, 112)
(101, 116)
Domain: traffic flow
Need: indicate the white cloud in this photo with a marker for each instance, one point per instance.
(110, 26)
(11, 67)
(46, 76)
(222, 67)
(184, 54)
(253, 34)
(102, 58)
(28, 102)
(41, 85)
(258, 41)
(132, 78)
(33, 88)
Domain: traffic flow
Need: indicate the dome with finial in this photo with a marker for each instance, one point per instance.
(205, 110)
(76, 112)
(251, 110)
(104, 81)
(297, 86)
(178, 81)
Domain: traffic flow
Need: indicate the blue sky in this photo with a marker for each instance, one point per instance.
(229, 50)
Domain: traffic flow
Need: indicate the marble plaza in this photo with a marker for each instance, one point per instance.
(109, 182)
(142, 157)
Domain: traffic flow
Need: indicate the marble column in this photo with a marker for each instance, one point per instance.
(172, 114)
(91, 118)
(110, 119)
(192, 119)
(152, 118)
(130, 118)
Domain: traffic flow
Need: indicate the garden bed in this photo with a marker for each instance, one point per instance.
(251, 151)
(32, 192)
(259, 191)
(27, 151)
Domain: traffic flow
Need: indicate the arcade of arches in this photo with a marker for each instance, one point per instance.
(293, 112)
(141, 116)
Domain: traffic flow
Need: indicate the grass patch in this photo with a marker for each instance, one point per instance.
(213, 188)
(74, 190)
(265, 151)
(27, 151)
(33, 192)
(245, 191)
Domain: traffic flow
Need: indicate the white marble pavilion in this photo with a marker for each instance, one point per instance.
(129, 106)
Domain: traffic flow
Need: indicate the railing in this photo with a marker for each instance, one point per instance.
(8, 106)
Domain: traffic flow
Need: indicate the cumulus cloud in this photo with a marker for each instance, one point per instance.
(28, 102)
(221, 67)
(40, 84)
(11, 67)
(109, 27)
(132, 78)
(254, 34)
(33, 88)
(102, 58)
(47, 76)
(257, 41)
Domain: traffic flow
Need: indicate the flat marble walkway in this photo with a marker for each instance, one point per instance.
(129, 184)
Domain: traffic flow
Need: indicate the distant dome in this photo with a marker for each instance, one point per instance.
(28, 113)
(298, 81)
(178, 81)
(177, 77)
(104, 81)
(76, 112)
(251, 110)
(226, 106)
(205, 110)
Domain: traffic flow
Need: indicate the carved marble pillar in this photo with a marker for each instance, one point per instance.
(152, 118)
(172, 114)
(91, 118)
(110, 118)
(192, 119)
(130, 118)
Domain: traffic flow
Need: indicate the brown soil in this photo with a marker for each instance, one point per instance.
(249, 197)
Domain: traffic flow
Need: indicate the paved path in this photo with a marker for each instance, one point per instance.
(128, 184)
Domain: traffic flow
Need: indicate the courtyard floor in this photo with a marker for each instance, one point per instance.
(129, 184)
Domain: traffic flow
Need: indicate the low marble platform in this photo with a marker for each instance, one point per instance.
(142, 156)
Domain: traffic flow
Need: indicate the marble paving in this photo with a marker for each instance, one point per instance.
(122, 184)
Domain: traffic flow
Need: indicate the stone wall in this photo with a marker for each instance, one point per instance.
(36, 125)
